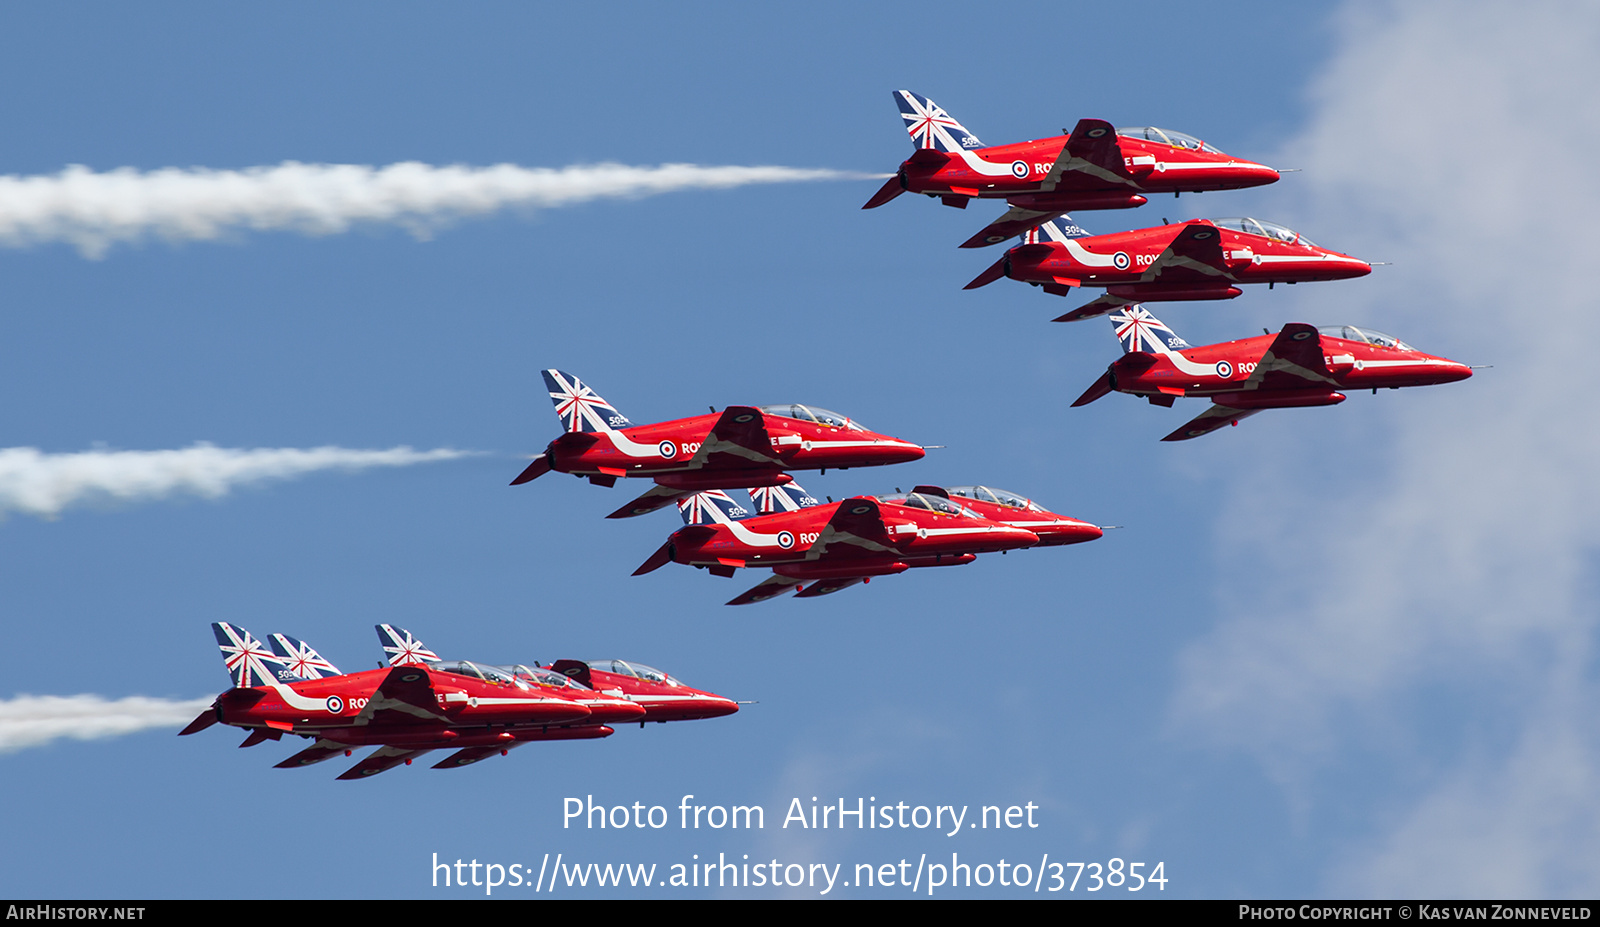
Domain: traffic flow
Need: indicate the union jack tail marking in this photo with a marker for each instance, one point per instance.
(711, 508)
(581, 408)
(402, 648)
(787, 498)
(250, 663)
(1058, 229)
(1138, 330)
(301, 659)
(932, 127)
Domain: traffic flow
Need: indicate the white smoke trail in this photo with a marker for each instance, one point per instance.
(96, 210)
(34, 720)
(44, 484)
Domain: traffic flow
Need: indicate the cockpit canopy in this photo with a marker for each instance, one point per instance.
(538, 675)
(1264, 229)
(917, 500)
(812, 414)
(1351, 333)
(990, 494)
(1166, 137)
(491, 674)
(639, 670)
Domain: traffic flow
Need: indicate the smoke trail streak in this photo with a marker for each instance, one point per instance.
(93, 210)
(44, 484)
(35, 720)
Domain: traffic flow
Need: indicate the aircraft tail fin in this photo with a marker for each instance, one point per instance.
(789, 497)
(581, 409)
(932, 127)
(1138, 330)
(249, 661)
(713, 507)
(300, 658)
(1060, 228)
(402, 648)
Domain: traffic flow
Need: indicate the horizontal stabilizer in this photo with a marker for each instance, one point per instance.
(996, 270)
(656, 561)
(892, 188)
(539, 467)
(1099, 388)
(203, 721)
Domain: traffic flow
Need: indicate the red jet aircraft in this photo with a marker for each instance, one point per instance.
(420, 703)
(1199, 259)
(815, 548)
(743, 447)
(1097, 166)
(1299, 366)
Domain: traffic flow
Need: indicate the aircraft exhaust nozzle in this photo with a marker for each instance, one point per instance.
(998, 269)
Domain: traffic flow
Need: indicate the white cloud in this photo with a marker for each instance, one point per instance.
(96, 210)
(43, 484)
(1418, 548)
(35, 720)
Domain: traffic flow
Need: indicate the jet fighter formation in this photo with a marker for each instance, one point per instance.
(420, 703)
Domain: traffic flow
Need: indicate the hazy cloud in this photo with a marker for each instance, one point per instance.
(93, 211)
(1420, 578)
(43, 484)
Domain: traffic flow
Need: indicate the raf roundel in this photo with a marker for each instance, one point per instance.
(1301, 336)
(785, 540)
(667, 449)
(1096, 133)
(1224, 369)
(335, 705)
(1120, 260)
(1019, 169)
(860, 510)
(1201, 236)
(741, 419)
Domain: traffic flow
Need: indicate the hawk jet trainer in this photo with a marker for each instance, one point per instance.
(1299, 366)
(742, 447)
(1097, 166)
(420, 703)
(816, 548)
(1199, 259)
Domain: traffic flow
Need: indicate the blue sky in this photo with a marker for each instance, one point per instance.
(1337, 651)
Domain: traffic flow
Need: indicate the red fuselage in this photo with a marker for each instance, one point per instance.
(909, 537)
(662, 697)
(467, 711)
(1127, 265)
(663, 452)
(1218, 372)
(1053, 530)
(1017, 173)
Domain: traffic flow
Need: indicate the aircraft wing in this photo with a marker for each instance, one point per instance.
(825, 586)
(1091, 159)
(323, 749)
(470, 755)
(1101, 306)
(857, 522)
(1208, 421)
(404, 697)
(1194, 256)
(657, 497)
(379, 760)
(738, 439)
(1014, 222)
(1294, 360)
(771, 588)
